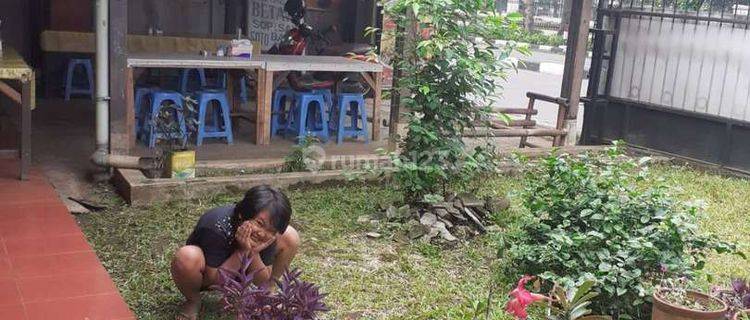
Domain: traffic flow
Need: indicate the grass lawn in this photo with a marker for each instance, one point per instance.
(369, 279)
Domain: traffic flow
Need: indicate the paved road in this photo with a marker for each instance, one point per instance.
(545, 62)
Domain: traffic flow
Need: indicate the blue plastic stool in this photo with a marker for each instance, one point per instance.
(150, 131)
(301, 123)
(141, 94)
(352, 105)
(185, 78)
(316, 119)
(279, 113)
(328, 96)
(70, 88)
(214, 130)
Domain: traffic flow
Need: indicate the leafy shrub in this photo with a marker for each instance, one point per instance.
(451, 74)
(605, 218)
(519, 34)
(294, 300)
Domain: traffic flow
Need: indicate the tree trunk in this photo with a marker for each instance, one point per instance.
(564, 18)
(527, 8)
(501, 6)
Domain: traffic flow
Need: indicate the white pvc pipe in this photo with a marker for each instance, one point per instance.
(101, 156)
(102, 76)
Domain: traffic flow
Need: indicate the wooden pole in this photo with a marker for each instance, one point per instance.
(377, 104)
(263, 120)
(119, 133)
(405, 48)
(575, 59)
(25, 145)
(530, 109)
(395, 115)
(130, 108)
(394, 119)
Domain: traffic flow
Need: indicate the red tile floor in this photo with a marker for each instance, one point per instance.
(47, 269)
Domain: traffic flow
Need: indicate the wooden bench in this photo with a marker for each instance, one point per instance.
(526, 127)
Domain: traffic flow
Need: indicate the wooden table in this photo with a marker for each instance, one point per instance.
(267, 67)
(14, 68)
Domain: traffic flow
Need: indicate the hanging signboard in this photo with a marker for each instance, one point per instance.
(268, 22)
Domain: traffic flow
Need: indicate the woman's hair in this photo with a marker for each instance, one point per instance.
(263, 198)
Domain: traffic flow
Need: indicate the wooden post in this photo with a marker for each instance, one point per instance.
(560, 124)
(530, 107)
(406, 46)
(119, 136)
(395, 116)
(377, 105)
(25, 141)
(130, 108)
(575, 59)
(263, 117)
(231, 92)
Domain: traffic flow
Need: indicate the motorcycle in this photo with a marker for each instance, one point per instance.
(297, 41)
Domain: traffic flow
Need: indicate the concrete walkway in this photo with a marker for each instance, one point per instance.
(47, 268)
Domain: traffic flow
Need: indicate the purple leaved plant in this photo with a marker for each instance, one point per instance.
(741, 290)
(297, 299)
(737, 298)
(294, 299)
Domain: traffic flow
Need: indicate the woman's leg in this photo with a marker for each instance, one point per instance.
(188, 268)
(286, 247)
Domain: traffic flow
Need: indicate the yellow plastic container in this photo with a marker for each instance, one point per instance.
(182, 165)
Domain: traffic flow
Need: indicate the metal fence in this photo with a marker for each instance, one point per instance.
(686, 55)
(673, 76)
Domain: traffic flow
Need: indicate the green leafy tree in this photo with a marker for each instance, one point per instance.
(451, 71)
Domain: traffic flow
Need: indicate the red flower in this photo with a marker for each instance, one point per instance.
(426, 33)
(521, 299)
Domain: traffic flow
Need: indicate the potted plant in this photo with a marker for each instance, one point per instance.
(562, 303)
(673, 301)
(737, 297)
(174, 158)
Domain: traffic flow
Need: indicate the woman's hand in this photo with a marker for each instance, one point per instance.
(253, 238)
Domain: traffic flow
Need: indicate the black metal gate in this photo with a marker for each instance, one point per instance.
(674, 76)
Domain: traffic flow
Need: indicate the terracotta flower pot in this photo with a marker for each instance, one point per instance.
(664, 310)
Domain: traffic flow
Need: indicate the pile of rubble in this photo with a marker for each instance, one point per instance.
(458, 217)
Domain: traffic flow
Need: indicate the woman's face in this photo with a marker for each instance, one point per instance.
(263, 229)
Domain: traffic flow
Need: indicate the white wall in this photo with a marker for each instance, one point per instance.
(691, 66)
